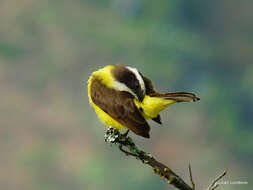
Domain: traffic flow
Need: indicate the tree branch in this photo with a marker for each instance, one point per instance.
(191, 178)
(127, 146)
(214, 184)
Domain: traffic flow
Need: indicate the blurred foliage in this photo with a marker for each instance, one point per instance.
(52, 139)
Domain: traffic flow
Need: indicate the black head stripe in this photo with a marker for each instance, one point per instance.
(124, 75)
(148, 84)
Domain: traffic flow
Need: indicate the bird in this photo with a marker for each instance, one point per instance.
(124, 99)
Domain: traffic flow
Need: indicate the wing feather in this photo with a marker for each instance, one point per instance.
(120, 106)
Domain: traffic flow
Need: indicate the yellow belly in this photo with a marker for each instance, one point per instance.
(106, 119)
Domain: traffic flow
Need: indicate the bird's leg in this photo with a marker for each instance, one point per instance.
(126, 133)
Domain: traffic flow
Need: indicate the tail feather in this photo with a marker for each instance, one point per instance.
(177, 96)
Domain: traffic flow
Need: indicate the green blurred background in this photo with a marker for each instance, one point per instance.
(51, 139)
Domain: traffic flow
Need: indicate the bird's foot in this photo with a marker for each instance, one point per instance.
(111, 135)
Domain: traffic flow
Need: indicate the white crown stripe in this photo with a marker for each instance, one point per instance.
(122, 87)
(139, 78)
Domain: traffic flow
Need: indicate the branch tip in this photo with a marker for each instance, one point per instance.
(191, 178)
(214, 183)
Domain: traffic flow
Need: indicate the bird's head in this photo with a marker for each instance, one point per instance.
(129, 79)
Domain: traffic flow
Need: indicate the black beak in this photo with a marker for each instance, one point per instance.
(140, 95)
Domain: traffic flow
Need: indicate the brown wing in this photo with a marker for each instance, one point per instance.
(120, 106)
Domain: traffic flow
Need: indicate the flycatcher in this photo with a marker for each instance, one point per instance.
(124, 99)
